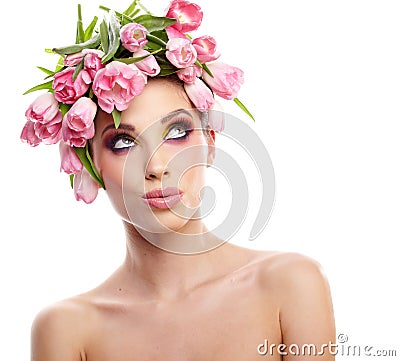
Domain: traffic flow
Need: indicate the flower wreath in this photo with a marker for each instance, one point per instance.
(108, 66)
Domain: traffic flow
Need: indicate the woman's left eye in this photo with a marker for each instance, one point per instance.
(177, 133)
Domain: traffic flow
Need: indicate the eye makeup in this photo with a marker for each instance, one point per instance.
(119, 141)
(122, 140)
(183, 125)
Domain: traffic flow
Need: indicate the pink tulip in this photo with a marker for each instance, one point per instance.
(200, 95)
(148, 65)
(73, 59)
(70, 162)
(68, 91)
(49, 133)
(78, 123)
(133, 36)
(92, 61)
(226, 81)
(189, 75)
(180, 52)
(173, 33)
(46, 118)
(28, 134)
(206, 48)
(189, 15)
(44, 109)
(81, 115)
(117, 84)
(85, 187)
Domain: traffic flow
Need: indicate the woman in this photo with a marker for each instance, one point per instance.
(181, 293)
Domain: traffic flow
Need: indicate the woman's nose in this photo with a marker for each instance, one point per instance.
(157, 165)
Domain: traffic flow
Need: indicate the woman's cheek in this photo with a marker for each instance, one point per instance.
(112, 173)
(112, 170)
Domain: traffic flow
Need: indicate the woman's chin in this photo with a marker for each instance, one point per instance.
(159, 222)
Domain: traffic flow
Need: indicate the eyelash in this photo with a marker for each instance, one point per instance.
(121, 135)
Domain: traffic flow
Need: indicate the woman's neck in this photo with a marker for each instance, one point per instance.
(176, 264)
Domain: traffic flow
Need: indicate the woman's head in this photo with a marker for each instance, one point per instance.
(162, 142)
(113, 68)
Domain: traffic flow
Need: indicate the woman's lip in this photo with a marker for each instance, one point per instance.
(162, 192)
(163, 202)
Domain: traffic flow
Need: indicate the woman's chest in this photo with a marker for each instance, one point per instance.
(214, 326)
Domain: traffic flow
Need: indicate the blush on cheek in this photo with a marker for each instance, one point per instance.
(193, 181)
(112, 171)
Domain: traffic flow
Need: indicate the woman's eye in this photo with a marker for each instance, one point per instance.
(177, 132)
(123, 143)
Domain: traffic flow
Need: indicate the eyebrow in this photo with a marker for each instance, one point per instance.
(163, 120)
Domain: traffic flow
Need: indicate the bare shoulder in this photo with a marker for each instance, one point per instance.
(292, 267)
(278, 266)
(289, 275)
(66, 312)
(301, 290)
(294, 275)
(60, 330)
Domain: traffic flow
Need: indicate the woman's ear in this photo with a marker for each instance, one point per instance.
(211, 147)
(216, 117)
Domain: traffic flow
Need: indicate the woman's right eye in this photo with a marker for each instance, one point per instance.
(122, 143)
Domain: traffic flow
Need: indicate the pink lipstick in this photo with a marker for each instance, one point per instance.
(163, 198)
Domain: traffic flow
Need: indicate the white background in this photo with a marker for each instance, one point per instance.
(322, 79)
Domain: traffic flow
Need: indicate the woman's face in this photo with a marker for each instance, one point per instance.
(158, 144)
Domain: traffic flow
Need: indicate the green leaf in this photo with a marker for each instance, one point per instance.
(90, 44)
(242, 106)
(77, 70)
(135, 60)
(117, 117)
(47, 86)
(137, 11)
(207, 70)
(89, 30)
(46, 71)
(85, 158)
(71, 180)
(154, 23)
(64, 108)
(60, 64)
(96, 173)
(102, 7)
(205, 67)
(167, 71)
(125, 19)
(113, 36)
(104, 36)
(156, 40)
(131, 9)
(143, 8)
(161, 34)
(80, 34)
(151, 46)
(166, 68)
(129, 60)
